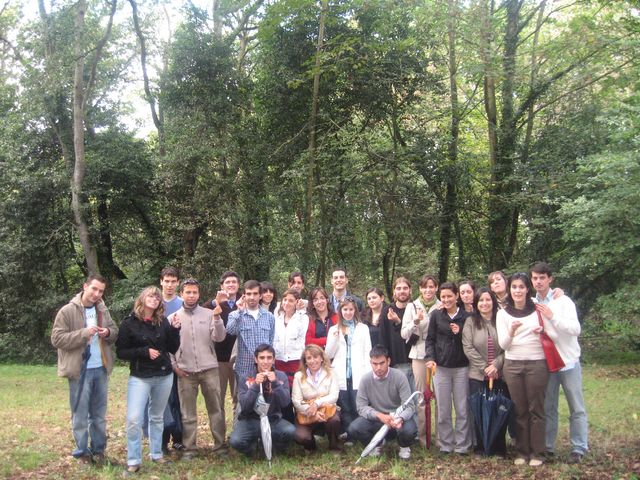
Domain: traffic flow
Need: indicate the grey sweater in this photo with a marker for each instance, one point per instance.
(383, 396)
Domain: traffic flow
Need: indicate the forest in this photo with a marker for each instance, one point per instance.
(391, 137)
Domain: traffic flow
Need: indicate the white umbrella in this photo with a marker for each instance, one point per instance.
(262, 409)
(380, 434)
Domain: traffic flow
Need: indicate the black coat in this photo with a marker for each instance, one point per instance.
(135, 339)
(442, 345)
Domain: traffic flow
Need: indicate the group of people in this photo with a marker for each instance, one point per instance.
(324, 365)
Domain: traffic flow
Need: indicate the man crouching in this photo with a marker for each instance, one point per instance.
(275, 388)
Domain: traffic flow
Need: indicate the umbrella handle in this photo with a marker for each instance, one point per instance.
(490, 383)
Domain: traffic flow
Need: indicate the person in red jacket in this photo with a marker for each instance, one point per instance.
(321, 317)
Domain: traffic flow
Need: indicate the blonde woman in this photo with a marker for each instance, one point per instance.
(314, 386)
(348, 345)
(146, 339)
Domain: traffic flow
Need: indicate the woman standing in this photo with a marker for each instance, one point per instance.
(467, 292)
(146, 339)
(314, 387)
(376, 308)
(480, 343)
(321, 317)
(348, 345)
(444, 350)
(525, 368)
(290, 332)
(415, 324)
(269, 296)
(497, 282)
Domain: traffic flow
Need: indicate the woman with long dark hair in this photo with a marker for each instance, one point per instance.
(480, 343)
(444, 350)
(269, 296)
(525, 368)
(146, 339)
(374, 312)
(321, 317)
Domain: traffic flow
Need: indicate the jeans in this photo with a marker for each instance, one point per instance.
(155, 391)
(363, 430)
(571, 381)
(347, 404)
(89, 420)
(452, 387)
(246, 433)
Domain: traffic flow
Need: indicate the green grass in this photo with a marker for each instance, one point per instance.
(35, 428)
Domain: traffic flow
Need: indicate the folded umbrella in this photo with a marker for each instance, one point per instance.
(428, 395)
(262, 409)
(380, 434)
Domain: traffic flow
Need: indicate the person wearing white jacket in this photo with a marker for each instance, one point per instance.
(348, 347)
(415, 321)
(563, 328)
(290, 333)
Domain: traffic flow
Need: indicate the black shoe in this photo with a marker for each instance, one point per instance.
(178, 446)
(575, 457)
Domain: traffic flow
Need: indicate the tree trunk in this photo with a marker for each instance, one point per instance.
(501, 210)
(311, 161)
(448, 213)
(77, 203)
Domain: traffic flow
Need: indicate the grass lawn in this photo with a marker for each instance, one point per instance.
(36, 433)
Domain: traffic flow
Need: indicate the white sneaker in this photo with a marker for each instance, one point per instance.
(405, 453)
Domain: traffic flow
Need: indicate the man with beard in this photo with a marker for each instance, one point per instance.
(83, 333)
(196, 365)
(391, 326)
(339, 282)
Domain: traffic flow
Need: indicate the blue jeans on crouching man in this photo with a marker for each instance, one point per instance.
(246, 433)
(89, 419)
(154, 392)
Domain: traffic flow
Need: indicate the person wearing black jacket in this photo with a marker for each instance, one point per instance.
(444, 350)
(146, 339)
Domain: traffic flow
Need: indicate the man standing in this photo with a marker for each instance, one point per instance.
(391, 326)
(380, 393)
(169, 283)
(196, 365)
(169, 278)
(253, 325)
(275, 389)
(83, 333)
(564, 330)
(226, 299)
(339, 282)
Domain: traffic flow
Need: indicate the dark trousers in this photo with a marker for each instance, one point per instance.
(305, 433)
(347, 404)
(363, 430)
(527, 381)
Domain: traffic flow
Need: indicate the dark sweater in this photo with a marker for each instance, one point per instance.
(224, 348)
(390, 336)
(135, 339)
(442, 345)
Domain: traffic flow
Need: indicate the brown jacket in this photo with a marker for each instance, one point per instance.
(70, 336)
(474, 342)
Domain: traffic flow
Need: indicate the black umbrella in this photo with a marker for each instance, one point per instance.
(490, 410)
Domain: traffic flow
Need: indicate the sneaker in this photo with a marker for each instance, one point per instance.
(162, 461)
(535, 462)
(343, 436)
(519, 461)
(178, 446)
(405, 453)
(188, 455)
(130, 470)
(348, 443)
(575, 457)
